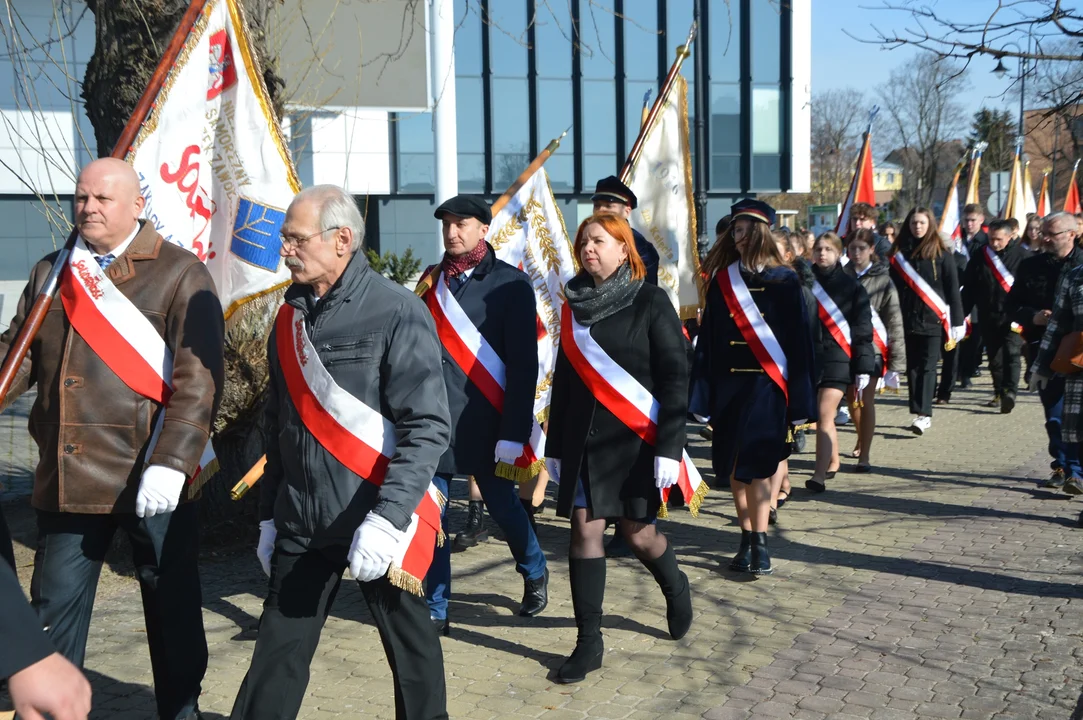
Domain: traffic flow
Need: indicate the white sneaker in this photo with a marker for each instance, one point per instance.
(843, 415)
(920, 424)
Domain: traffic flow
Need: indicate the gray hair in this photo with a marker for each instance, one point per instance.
(338, 209)
(1059, 215)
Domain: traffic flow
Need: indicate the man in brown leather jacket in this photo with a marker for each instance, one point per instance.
(99, 468)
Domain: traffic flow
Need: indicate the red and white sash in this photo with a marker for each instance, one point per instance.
(832, 318)
(1000, 270)
(754, 329)
(626, 398)
(358, 436)
(118, 332)
(879, 336)
(924, 291)
(477, 358)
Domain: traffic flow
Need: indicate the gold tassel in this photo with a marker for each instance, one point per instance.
(697, 499)
(404, 580)
(518, 474)
(196, 486)
(663, 512)
(441, 538)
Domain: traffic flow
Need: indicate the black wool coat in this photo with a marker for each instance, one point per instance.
(943, 276)
(499, 300)
(1035, 289)
(981, 289)
(649, 255)
(853, 301)
(646, 340)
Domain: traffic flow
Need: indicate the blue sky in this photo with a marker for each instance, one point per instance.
(839, 60)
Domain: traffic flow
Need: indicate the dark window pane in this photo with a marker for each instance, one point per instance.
(511, 131)
(766, 120)
(597, 45)
(553, 40)
(507, 39)
(596, 167)
(725, 21)
(467, 38)
(472, 172)
(766, 172)
(726, 172)
(469, 107)
(641, 40)
(725, 127)
(766, 38)
(414, 132)
(416, 173)
(554, 110)
(599, 117)
(561, 169)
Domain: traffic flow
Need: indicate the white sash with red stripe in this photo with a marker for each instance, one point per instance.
(832, 318)
(357, 436)
(754, 329)
(924, 291)
(879, 336)
(1000, 270)
(118, 332)
(477, 358)
(627, 399)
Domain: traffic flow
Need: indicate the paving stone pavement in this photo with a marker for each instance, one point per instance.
(943, 585)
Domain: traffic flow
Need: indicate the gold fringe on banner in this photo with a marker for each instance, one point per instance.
(519, 474)
(404, 580)
(195, 488)
(697, 498)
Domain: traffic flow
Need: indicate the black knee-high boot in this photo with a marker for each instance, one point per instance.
(674, 584)
(588, 590)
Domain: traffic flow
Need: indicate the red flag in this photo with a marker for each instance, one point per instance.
(861, 189)
(1071, 200)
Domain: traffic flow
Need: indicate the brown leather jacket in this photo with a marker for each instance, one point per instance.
(92, 430)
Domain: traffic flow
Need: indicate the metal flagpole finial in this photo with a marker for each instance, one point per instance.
(980, 147)
(872, 116)
(1076, 166)
(647, 97)
(555, 142)
(686, 49)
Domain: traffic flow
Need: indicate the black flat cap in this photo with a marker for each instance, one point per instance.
(466, 206)
(754, 209)
(611, 189)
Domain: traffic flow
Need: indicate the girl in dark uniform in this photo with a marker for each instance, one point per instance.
(845, 354)
(607, 469)
(752, 393)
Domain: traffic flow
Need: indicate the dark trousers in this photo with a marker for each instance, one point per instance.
(165, 550)
(1004, 348)
(7, 552)
(1065, 455)
(922, 354)
(302, 588)
(970, 350)
(949, 372)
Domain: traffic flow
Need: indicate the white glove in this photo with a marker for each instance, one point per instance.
(159, 491)
(958, 333)
(802, 421)
(701, 419)
(1038, 382)
(862, 383)
(508, 451)
(373, 548)
(552, 465)
(891, 380)
(666, 472)
(266, 547)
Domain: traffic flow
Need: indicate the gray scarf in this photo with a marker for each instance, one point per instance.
(590, 304)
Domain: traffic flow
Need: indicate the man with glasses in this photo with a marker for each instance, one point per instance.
(356, 420)
(1030, 304)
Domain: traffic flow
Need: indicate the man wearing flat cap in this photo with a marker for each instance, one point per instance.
(614, 197)
(486, 318)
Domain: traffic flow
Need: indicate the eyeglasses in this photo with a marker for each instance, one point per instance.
(1048, 234)
(290, 242)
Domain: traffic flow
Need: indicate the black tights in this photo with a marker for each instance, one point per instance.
(588, 533)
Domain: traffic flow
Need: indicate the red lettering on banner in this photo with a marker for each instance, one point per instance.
(299, 341)
(90, 280)
(186, 178)
(223, 71)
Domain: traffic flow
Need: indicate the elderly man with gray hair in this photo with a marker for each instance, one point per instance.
(356, 420)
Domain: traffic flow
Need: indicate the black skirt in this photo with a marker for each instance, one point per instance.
(750, 429)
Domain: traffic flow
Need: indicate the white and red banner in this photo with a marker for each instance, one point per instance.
(1071, 199)
(357, 436)
(861, 187)
(949, 219)
(754, 329)
(477, 358)
(879, 336)
(832, 318)
(1045, 202)
(118, 332)
(1001, 272)
(213, 164)
(924, 291)
(625, 397)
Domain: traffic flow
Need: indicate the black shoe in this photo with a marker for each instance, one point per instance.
(587, 580)
(830, 474)
(815, 485)
(535, 595)
(761, 559)
(475, 531)
(1007, 404)
(442, 626)
(772, 517)
(743, 559)
(965, 384)
(618, 546)
(993, 403)
(976, 373)
(800, 439)
(707, 433)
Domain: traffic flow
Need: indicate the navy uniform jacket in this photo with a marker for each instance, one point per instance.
(499, 300)
(649, 255)
(981, 289)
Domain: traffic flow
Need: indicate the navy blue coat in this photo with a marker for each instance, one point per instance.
(499, 300)
(748, 411)
(649, 255)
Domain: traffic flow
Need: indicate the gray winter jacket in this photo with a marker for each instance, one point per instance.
(379, 343)
(884, 299)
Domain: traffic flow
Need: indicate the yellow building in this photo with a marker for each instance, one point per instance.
(887, 179)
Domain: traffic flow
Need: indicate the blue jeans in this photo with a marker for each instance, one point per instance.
(502, 500)
(1065, 455)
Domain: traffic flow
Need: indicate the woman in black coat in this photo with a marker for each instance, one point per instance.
(919, 246)
(740, 392)
(605, 468)
(846, 356)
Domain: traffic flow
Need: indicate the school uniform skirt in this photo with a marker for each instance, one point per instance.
(750, 426)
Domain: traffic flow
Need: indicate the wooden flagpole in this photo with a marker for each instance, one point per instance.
(32, 323)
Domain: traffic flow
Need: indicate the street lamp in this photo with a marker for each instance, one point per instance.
(1000, 71)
